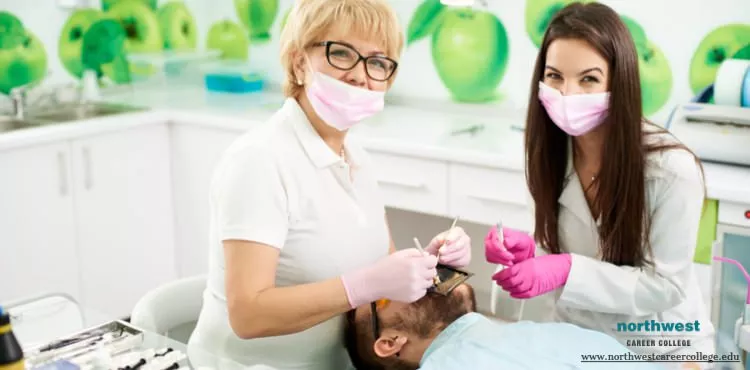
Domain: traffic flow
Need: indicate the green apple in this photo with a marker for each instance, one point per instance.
(22, 65)
(140, 24)
(142, 31)
(12, 32)
(721, 43)
(104, 50)
(539, 14)
(257, 16)
(229, 38)
(106, 4)
(178, 26)
(656, 78)
(637, 32)
(470, 53)
(70, 43)
(424, 21)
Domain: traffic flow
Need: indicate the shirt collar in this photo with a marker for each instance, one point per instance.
(453, 330)
(316, 149)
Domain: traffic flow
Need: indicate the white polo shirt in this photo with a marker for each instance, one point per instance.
(281, 185)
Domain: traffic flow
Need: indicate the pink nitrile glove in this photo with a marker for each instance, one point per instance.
(402, 276)
(535, 276)
(452, 246)
(517, 246)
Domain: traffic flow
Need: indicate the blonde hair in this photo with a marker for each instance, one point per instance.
(310, 20)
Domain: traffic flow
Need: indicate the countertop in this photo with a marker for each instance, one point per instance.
(410, 131)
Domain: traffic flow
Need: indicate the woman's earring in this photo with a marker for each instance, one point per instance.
(299, 82)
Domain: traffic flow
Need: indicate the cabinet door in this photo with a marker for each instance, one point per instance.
(37, 232)
(732, 286)
(195, 153)
(124, 214)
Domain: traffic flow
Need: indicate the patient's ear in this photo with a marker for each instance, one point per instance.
(390, 343)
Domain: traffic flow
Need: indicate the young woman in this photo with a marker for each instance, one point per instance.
(298, 228)
(617, 200)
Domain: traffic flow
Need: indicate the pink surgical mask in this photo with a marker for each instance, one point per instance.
(574, 114)
(340, 104)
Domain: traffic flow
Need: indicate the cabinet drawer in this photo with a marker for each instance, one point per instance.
(412, 184)
(486, 195)
(734, 214)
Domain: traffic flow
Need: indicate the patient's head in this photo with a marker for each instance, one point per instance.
(406, 330)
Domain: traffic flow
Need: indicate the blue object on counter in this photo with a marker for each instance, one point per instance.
(58, 365)
(745, 98)
(234, 82)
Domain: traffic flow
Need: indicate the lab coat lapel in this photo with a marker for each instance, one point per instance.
(573, 200)
(575, 216)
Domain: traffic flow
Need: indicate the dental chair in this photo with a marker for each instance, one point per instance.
(172, 309)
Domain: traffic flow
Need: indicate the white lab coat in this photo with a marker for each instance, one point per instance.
(598, 295)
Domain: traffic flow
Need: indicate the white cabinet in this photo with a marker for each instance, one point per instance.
(195, 152)
(487, 195)
(124, 216)
(91, 217)
(37, 233)
(412, 184)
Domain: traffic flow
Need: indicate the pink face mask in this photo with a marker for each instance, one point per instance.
(574, 114)
(340, 104)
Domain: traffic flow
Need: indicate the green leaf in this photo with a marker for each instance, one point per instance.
(424, 21)
(12, 33)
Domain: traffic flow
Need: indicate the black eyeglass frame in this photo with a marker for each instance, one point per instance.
(374, 319)
(360, 58)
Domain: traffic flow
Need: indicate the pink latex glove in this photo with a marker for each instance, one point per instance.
(452, 246)
(402, 276)
(516, 247)
(535, 276)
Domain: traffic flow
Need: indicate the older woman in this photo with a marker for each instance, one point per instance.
(298, 230)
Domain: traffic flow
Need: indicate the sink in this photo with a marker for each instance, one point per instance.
(12, 123)
(73, 112)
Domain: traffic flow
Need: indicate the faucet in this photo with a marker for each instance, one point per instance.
(18, 97)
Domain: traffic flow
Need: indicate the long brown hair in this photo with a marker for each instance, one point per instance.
(621, 196)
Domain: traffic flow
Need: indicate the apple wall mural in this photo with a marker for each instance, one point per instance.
(230, 39)
(729, 41)
(178, 26)
(481, 55)
(470, 48)
(258, 17)
(653, 68)
(23, 59)
(146, 28)
(106, 4)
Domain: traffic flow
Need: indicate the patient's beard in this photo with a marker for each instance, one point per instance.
(431, 314)
(427, 317)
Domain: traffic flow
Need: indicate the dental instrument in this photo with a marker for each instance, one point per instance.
(501, 267)
(447, 278)
(436, 279)
(455, 220)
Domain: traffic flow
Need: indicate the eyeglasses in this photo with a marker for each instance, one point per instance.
(345, 57)
(375, 322)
